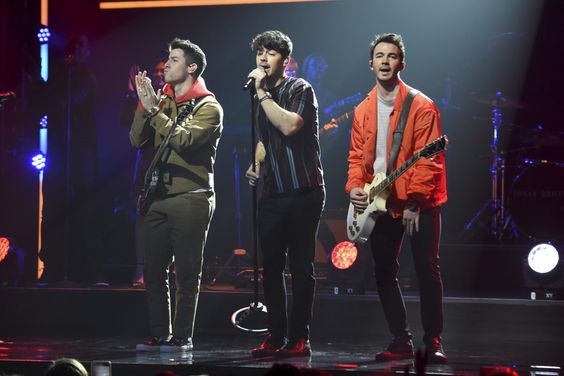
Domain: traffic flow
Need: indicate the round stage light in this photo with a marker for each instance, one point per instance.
(4, 247)
(344, 255)
(543, 258)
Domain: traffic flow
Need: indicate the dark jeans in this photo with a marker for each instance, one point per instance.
(175, 228)
(386, 244)
(289, 225)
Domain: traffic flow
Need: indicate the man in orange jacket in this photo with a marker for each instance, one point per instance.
(413, 205)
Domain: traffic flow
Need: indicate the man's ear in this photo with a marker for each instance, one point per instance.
(370, 63)
(192, 68)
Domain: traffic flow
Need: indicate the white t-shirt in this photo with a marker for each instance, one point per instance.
(385, 108)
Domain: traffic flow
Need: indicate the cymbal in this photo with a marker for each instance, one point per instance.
(496, 100)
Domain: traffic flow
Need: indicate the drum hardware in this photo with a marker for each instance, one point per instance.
(536, 200)
(495, 208)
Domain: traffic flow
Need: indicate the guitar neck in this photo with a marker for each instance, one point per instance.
(164, 144)
(344, 116)
(397, 173)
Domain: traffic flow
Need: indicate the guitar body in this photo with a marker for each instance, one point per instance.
(360, 225)
(147, 195)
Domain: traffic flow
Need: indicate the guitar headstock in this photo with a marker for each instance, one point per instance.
(434, 147)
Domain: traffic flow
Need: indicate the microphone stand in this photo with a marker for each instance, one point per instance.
(253, 319)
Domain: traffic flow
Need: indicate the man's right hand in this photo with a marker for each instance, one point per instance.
(253, 176)
(145, 91)
(359, 199)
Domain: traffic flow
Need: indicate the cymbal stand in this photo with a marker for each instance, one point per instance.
(500, 218)
(498, 177)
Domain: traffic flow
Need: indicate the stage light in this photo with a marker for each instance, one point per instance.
(4, 247)
(39, 162)
(543, 258)
(44, 121)
(344, 255)
(43, 35)
(347, 272)
(543, 273)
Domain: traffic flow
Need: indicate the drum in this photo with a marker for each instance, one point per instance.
(536, 203)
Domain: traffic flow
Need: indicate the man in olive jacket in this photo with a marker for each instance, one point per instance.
(177, 221)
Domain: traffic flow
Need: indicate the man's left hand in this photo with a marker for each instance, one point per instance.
(410, 221)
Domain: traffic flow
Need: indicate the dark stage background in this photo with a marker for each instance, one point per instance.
(458, 53)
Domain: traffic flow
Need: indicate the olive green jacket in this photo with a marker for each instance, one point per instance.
(188, 166)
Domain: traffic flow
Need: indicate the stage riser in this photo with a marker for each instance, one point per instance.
(122, 313)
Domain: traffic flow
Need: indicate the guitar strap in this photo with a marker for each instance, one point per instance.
(167, 152)
(398, 133)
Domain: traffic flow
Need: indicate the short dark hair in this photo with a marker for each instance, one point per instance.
(392, 38)
(192, 52)
(273, 40)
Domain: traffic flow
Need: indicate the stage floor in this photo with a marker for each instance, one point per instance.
(229, 355)
(38, 325)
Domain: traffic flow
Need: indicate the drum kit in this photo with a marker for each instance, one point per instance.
(533, 207)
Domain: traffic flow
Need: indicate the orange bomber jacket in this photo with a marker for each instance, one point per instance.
(424, 184)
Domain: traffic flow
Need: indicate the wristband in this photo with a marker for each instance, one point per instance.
(266, 96)
(152, 111)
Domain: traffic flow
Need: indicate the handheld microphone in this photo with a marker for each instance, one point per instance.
(249, 83)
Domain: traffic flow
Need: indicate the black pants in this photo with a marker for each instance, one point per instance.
(289, 224)
(386, 239)
(176, 228)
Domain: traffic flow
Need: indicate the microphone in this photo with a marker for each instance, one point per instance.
(7, 96)
(249, 83)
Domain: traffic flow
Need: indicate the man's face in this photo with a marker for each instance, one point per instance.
(158, 77)
(176, 71)
(271, 61)
(386, 62)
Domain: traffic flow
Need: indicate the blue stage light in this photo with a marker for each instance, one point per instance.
(43, 122)
(39, 161)
(43, 35)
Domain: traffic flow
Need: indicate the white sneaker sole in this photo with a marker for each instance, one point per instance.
(175, 349)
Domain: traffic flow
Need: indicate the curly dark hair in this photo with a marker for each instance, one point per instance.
(273, 40)
(192, 52)
(392, 38)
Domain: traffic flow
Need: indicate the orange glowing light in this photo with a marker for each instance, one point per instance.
(188, 3)
(344, 255)
(4, 248)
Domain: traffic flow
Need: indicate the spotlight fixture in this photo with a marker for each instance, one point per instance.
(43, 35)
(39, 161)
(346, 274)
(344, 255)
(44, 121)
(543, 272)
(543, 258)
(4, 247)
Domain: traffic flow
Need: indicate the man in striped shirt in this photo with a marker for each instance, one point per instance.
(293, 193)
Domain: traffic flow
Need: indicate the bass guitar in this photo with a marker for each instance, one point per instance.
(360, 225)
